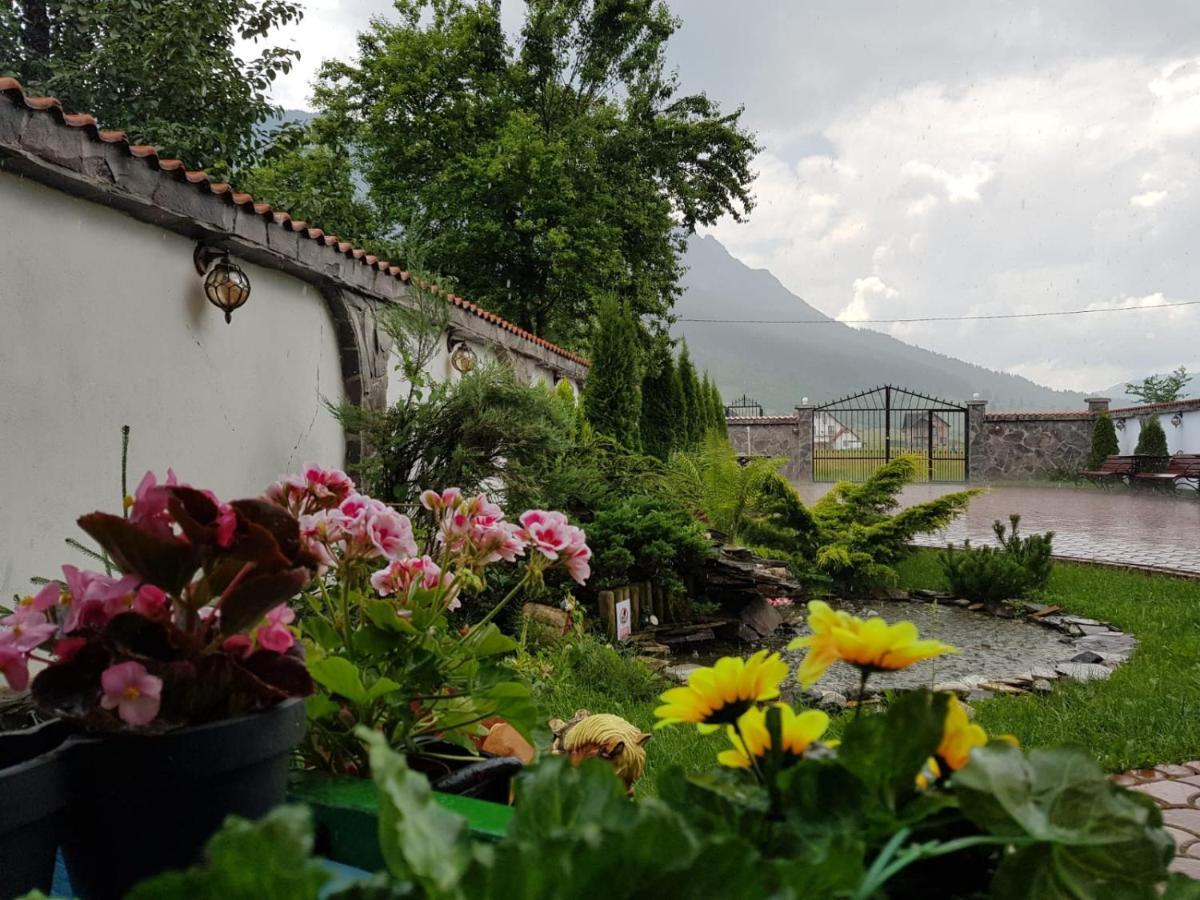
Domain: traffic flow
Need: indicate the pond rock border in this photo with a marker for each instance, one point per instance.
(1091, 648)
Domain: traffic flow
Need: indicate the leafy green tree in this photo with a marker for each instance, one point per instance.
(658, 402)
(694, 403)
(1152, 441)
(1104, 441)
(549, 169)
(169, 72)
(612, 396)
(1161, 388)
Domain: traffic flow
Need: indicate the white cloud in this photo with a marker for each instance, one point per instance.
(961, 188)
(865, 296)
(1148, 199)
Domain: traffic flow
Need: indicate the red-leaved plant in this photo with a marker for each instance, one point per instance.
(193, 629)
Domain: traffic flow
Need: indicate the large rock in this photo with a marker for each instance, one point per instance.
(760, 617)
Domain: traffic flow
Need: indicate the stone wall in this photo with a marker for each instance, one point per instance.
(789, 437)
(1023, 446)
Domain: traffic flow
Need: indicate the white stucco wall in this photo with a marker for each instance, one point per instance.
(1182, 438)
(105, 324)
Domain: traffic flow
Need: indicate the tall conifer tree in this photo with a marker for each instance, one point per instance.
(694, 427)
(612, 396)
(659, 412)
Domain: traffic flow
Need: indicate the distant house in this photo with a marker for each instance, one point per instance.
(830, 434)
(914, 430)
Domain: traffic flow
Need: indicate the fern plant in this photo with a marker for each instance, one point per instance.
(720, 490)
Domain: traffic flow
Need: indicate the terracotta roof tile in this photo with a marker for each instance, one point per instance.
(14, 90)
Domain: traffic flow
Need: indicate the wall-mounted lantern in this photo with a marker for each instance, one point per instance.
(462, 357)
(226, 286)
(1177, 419)
(1120, 424)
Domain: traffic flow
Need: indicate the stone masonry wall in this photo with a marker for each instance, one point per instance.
(789, 437)
(1021, 446)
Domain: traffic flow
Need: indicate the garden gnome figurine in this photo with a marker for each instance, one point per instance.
(605, 736)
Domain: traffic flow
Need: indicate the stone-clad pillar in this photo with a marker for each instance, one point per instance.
(800, 467)
(976, 438)
(1097, 405)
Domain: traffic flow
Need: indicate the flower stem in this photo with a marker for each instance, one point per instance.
(503, 603)
(864, 674)
(737, 727)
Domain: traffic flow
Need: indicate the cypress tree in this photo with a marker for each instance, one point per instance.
(612, 400)
(694, 421)
(658, 403)
(718, 408)
(1152, 441)
(1104, 441)
(679, 410)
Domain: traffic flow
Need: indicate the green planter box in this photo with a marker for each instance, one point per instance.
(346, 816)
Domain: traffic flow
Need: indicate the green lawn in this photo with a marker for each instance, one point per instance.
(858, 465)
(1148, 711)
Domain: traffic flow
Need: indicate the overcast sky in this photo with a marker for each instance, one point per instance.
(952, 158)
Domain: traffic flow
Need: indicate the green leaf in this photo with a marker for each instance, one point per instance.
(319, 706)
(383, 614)
(513, 702)
(322, 633)
(265, 860)
(249, 600)
(1083, 835)
(419, 840)
(381, 688)
(887, 751)
(338, 676)
(491, 641)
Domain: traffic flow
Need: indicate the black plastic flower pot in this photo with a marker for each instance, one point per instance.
(485, 777)
(143, 805)
(32, 795)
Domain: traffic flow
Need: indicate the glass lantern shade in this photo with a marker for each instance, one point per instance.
(227, 287)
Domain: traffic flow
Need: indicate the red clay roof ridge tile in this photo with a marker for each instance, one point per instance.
(14, 89)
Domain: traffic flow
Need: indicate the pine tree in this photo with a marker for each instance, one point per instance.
(694, 421)
(659, 411)
(564, 396)
(718, 410)
(1104, 441)
(612, 400)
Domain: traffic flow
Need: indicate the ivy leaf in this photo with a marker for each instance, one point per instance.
(1084, 836)
(265, 860)
(338, 676)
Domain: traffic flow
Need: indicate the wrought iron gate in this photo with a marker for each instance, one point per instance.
(854, 436)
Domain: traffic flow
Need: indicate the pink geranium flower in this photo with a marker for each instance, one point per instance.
(402, 575)
(275, 634)
(391, 534)
(546, 532)
(435, 502)
(133, 692)
(328, 484)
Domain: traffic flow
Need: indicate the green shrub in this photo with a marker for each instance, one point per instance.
(644, 538)
(1104, 441)
(859, 535)
(1017, 568)
(718, 489)
(1152, 441)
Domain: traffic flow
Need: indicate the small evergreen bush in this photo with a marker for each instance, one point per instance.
(1152, 441)
(1017, 568)
(1104, 441)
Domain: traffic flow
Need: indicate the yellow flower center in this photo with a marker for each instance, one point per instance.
(132, 693)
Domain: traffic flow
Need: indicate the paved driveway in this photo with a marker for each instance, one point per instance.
(1134, 527)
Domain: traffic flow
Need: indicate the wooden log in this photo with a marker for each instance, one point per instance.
(608, 613)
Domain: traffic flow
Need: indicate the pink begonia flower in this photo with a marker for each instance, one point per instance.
(149, 510)
(45, 599)
(402, 574)
(148, 600)
(435, 502)
(275, 635)
(15, 667)
(132, 691)
(68, 647)
(238, 645)
(226, 520)
(89, 594)
(27, 629)
(392, 534)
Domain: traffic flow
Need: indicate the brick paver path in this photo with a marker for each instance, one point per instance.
(1177, 790)
(1128, 527)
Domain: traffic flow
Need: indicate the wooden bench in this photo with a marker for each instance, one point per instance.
(1114, 468)
(1181, 467)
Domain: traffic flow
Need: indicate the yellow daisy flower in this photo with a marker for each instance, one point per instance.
(959, 736)
(872, 645)
(798, 732)
(720, 694)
